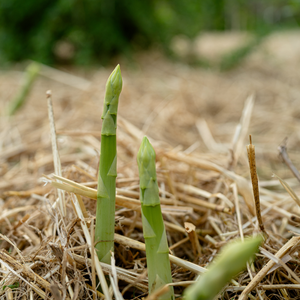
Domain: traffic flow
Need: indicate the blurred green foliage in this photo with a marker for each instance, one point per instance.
(87, 31)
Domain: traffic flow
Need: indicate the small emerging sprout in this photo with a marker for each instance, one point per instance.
(30, 75)
(157, 250)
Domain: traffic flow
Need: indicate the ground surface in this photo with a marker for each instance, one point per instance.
(187, 113)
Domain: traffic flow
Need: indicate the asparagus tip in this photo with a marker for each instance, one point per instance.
(115, 78)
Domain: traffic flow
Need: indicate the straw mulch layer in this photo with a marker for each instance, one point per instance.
(198, 122)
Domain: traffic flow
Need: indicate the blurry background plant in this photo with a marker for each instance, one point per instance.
(84, 32)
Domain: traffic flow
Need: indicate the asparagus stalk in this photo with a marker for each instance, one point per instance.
(157, 250)
(106, 191)
(231, 261)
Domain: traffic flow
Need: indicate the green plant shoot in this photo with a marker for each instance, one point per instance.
(106, 191)
(30, 75)
(231, 261)
(157, 250)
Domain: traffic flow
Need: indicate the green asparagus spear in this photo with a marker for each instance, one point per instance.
(231, 261)
(106, 192)
(158, 264)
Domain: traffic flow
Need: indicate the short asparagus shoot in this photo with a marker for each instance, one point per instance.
(227, 265)
(158, 264)
(106, 191)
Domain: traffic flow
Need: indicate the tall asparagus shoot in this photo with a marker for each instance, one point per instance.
(158, 264)
(106, 191)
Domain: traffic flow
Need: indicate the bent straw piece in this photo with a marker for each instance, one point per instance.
(83, 190)
(123, 193)
(120, 200)
(82, 206)
(242, 184)
(286, 248)
(158, 264)
(71, 182)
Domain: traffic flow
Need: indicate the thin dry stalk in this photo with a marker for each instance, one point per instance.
(216, 227)
(238, 212)
(91, 246)
(254, 179)
(288, 189)
(237, 209)
(266, 287)
(56, 159)
(114, 279)
(283, 153)
(179, 243)
(242, 128)
(93, 260)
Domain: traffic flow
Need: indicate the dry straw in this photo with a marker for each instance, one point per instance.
(194, 183)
